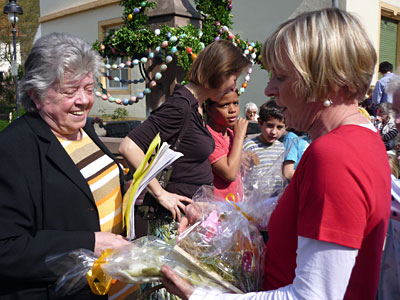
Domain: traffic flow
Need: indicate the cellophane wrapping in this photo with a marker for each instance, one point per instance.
(138, 263)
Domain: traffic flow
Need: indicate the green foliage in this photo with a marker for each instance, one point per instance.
(135, 38)
(119, 114)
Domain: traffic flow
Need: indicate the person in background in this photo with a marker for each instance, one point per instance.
(380, 95)
(266, 146)
(327, 231)
(227, 155)
(295, 143)
(212, 75)
(367, 103)
(389, 283)
(61, 188)
(386, 125)
(251, 111)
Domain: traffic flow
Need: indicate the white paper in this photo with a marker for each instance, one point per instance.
(164, 157)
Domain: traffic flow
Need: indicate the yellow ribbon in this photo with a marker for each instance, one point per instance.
(137, 178)
(98, 280)
(230, 198)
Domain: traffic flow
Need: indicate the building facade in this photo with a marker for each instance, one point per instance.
(253, 20)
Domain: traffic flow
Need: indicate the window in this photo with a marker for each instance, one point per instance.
(116, 87)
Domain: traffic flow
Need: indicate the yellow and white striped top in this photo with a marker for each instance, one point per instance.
(102, 175)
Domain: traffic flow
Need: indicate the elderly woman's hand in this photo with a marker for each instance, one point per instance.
(108, 240)
(175, 284)
(174, 203)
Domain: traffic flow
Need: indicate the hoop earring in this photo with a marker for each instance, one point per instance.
(328, 102)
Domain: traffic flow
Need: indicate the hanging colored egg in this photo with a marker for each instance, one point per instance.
(133, 98)
(244, 85)
(104, 97)
(98, 94)
(164, 44)
(121, 65)
(182, 35)
(111, 99)
(225, 28)
(250, 70)
(102, 47)
(168, 59)
(194, 56)
(130, 17)
(250, 48)
(158, 76)
(128, 63)
(200, 34)
(140, 96)
(247, 78)
(143, 4)
(152, 83)
(189, 50)
(116, 79)
(168, 34)
(158, 48)
(136, 10)
(118, 101)
(242, 90)
(231, 36)
(147, 91)
(253, 56)
(246, 52)
(151, 55)
(135, 62)
(252, 44)
(174, 50)
(157, 31)
(217, 23)
(217, 38)
(173, 39)
(230, 6)
(125, 101)
(163, 67)
(143, 60)
(107, 66)
(202, 45)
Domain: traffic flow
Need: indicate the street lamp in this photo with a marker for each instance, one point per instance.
(13, 10)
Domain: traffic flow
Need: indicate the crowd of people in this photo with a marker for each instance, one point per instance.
(62, 189)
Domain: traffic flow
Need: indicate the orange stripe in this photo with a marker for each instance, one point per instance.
(97, 178)
(114, 194)
(108, 226)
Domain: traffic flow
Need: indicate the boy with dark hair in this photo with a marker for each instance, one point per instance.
(269, 151)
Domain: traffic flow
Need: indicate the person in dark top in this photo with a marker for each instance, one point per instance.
(193, 169)
(212, 75)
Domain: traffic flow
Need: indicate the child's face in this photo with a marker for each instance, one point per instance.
(272, 130)
(226, 111)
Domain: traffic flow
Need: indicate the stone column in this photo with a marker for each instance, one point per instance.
(174, 13)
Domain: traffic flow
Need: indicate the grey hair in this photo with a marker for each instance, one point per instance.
(51, 57)
(250, 105)
(387, 109)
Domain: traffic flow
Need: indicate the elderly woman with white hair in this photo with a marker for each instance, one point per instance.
(61, 188)
(251, 111)
(327, 231)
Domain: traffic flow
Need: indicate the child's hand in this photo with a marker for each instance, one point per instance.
(240, 128)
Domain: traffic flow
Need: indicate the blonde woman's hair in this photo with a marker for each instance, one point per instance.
(329, 49)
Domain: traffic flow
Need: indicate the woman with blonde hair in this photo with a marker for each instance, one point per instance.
(327, 231)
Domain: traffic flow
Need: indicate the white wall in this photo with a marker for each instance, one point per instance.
(255, 20)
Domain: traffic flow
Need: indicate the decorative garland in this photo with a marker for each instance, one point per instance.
(135, 39)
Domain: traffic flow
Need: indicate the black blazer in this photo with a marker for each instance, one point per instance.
(46, 208)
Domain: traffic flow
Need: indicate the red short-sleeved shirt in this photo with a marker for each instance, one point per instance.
(340, 193)
(222, 149)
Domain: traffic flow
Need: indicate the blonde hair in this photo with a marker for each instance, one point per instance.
(329, 50)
